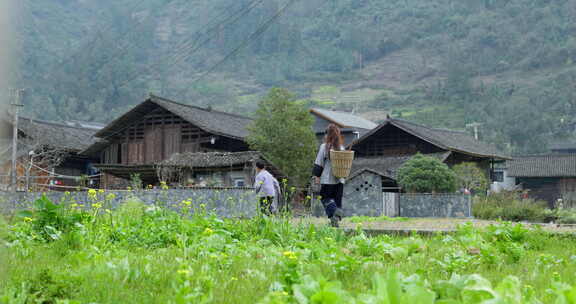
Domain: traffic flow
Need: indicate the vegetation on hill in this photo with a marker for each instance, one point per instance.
(508, 65)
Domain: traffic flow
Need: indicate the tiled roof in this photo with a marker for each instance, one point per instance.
(211, 159)
(344, 119)
(446, 139)
(563, 165)
(212, 121)
(563, 146)
(386, 166)
(56, 134)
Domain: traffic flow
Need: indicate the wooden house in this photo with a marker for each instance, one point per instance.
(157, 129)
(225, 169)
(386, 148)
(352, 126)
(546, 177)
(48, 153)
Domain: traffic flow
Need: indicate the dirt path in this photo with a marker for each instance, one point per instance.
(427, 224)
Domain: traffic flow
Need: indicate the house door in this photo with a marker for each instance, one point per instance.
(390, 204)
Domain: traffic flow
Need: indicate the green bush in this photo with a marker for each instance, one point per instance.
(424, 174)
(565, 216)
(509, 206)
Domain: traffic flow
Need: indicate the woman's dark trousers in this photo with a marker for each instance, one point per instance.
(331, 197)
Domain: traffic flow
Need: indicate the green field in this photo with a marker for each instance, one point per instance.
(139, 254)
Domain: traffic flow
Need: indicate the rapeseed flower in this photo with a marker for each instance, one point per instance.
(92, 192)
(208, 231)
(96, 205)
(110, 196)
(28, 219)
(290, 255)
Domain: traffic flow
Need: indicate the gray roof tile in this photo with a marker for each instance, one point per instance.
(456, 141)
(344, 119)
(212, 121)
(563, 165)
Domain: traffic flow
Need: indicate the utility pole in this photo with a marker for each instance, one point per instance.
(16, 95)
(474, 125)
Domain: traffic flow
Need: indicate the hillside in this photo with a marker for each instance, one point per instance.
(508, 64)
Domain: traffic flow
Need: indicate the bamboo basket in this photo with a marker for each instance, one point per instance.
(341, 162)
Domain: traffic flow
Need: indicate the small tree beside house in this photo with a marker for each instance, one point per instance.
(424, 174)
(471, 177)
(282, 132)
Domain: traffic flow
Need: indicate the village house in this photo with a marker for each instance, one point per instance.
(48, 155)
(207, 145)
(546, 177)
(383, 150)
(352, 126)
(205, 169)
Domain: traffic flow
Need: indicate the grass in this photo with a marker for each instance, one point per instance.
(142, 255)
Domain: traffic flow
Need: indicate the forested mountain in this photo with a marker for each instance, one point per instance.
(507, 64)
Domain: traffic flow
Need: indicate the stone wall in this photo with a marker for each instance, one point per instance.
(435, 205)
(225, 202)
(405, 205)
(362, 196)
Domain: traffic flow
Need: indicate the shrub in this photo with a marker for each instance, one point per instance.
(509, 206)
(424, 174)
(471, 177)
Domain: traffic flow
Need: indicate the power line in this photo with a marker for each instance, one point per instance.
(187, 47)
(183, 45)
(251, 38)
(93, 41)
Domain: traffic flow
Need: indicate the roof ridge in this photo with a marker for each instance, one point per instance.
(198, 107)
(56, 123)
(546, 155)
(430, 128)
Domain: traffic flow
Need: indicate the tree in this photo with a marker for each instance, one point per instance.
(424, 174)
(282, 132)
(469, 176)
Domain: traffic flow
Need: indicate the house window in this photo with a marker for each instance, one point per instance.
(498, 176)
(239, 182)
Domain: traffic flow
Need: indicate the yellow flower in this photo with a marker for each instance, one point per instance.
(28, 219)
(163, 186)
(110, 196)
(129, 188)
(290, 255)
(96, 205)
(67, 193)
(183, 271)
(74, 205)
(308, 197)
(101, 191)
(92, 192)
(187, 203)
(108, 211)
(208, 231)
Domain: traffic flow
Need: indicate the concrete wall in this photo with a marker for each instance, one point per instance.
(408, 205)
(225, 202)
(508, 183)
(435, 205)
(363, 195)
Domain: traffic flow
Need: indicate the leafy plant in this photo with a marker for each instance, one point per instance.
(425, 174)
(282, 131)
(471, 177)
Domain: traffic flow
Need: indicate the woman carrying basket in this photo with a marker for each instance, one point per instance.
(332, 188)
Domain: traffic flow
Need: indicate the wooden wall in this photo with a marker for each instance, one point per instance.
(159, 135)
(392, 141)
